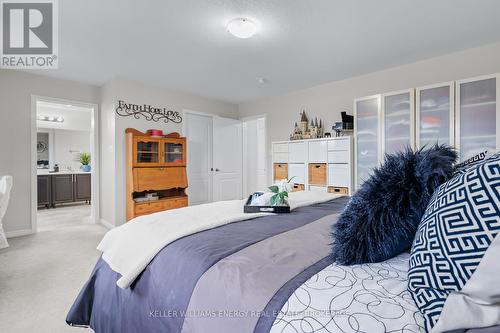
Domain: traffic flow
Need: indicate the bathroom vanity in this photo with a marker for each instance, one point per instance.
(63, 187)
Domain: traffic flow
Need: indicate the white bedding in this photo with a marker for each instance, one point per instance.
(128, 249)
(368, 298)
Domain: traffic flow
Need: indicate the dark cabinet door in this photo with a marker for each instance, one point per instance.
(83, 187)
(44, 186)
(62, 188)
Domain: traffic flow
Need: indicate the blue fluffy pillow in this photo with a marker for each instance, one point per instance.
(381, 219)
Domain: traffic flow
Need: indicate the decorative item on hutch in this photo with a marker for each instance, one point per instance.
(304, 131)
(156, 172)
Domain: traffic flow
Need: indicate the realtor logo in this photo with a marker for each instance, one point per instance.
(29, 38)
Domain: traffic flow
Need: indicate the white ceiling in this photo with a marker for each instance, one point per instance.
(183, 44)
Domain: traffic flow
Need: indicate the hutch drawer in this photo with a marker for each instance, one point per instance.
(146, 179)
(144, 208)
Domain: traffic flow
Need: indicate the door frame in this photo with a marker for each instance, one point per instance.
(185, 132)
(94, 151)
(266, 153)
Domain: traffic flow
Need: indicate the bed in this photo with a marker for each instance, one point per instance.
(270, 273)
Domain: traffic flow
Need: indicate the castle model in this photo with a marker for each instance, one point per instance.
(304, 130)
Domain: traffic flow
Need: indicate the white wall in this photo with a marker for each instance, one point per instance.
(16, 89)
(113, 198)
(328, 100)
(73, 119)
(68, 145)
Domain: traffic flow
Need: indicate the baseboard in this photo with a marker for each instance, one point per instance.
(18, 233)
(107, 224)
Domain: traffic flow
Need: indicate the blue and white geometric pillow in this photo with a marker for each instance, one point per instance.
(460, 223)
(462, 167)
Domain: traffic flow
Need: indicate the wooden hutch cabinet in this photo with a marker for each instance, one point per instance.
(155, 165)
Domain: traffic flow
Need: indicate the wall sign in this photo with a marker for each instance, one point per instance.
(149, 112)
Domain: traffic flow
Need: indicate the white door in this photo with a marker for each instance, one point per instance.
(254, 155)
(198, 130)
(227, 159)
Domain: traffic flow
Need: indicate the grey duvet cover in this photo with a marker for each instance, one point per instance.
(233, 278)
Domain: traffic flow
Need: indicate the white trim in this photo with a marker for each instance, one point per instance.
(94, 150)
(451, 124)
(18, 233)
(107, 224)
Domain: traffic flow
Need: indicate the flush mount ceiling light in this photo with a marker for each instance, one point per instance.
(51, 118)
(242, 27)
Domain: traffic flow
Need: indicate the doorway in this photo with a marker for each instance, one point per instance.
(254, 154)
(65, 179)
(215, 159)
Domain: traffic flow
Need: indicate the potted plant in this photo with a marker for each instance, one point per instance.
(280, 192)
(85, 161)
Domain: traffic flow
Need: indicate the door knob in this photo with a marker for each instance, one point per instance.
(216, 170)
(211, 169)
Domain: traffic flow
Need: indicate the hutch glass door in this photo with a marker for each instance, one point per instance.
(147, 151)
(173, 153)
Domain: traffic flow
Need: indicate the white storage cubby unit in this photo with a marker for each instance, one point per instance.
(464, 114)
(316, 164)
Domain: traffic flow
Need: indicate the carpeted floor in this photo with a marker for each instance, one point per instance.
(40, 275)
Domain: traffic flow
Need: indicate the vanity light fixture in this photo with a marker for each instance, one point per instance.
(242, 27)
(51, 118)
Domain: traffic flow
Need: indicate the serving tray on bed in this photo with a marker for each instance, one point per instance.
(265, 209)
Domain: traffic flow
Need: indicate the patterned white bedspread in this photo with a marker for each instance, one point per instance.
(367, 298)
